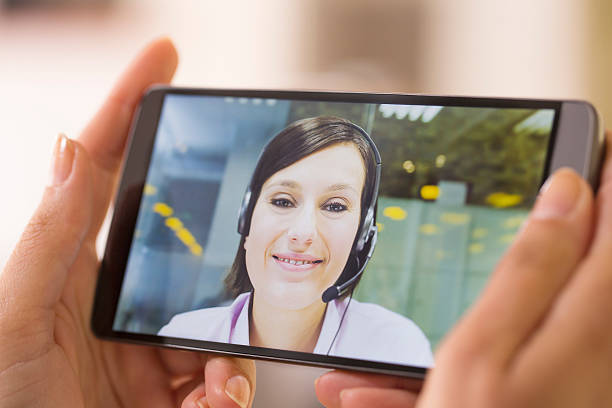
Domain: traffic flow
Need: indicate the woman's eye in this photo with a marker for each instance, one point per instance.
(335, 207)
(281, 202)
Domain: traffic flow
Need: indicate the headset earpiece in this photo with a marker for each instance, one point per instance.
(364, 233)
(246, 200)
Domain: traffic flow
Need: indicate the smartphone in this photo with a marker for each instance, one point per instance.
(342, 230)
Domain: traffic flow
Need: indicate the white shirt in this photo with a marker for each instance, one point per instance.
(368, 331)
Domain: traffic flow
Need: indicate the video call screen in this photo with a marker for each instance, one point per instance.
(455, 185)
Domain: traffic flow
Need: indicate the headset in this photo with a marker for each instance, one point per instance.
(366, 237)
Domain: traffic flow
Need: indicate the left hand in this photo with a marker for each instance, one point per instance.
(48, 353)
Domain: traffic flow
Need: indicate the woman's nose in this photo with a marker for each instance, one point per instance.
(302, 231)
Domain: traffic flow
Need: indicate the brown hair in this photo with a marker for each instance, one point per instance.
(298, 140)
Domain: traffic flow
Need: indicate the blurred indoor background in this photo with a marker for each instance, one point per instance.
(58, 59)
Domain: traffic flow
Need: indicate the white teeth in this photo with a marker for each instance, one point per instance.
(294, 262)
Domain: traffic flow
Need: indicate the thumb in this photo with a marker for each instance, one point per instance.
(229, 382)
(36, 272)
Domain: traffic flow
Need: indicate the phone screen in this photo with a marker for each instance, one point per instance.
(254, 208)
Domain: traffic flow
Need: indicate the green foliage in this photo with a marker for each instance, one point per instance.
(482, 147)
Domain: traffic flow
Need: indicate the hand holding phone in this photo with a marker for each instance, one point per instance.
(538, 336)
(29, 278)
(49, 356)
(340, 230)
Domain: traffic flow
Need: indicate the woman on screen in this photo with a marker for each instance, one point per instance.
(308, 230)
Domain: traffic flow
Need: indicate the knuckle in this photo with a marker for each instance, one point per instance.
(49, 227)
(43, 221)
(35, 231)
(543, 242)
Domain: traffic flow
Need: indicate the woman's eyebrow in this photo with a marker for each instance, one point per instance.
(340, 187)
(285, 183)
(294, 185)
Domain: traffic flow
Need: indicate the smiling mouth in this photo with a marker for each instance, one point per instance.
(297, 261)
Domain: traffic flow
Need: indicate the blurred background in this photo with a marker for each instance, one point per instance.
(58, 59)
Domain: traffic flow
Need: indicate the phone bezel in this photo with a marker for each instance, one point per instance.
(136, 164)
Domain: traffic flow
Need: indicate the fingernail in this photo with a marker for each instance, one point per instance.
(239, 390)
(558, 196)
(63, 156)
(202, 403)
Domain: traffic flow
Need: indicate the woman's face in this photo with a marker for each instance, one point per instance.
(303, 226)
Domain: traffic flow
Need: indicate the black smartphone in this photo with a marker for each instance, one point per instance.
(331, 229)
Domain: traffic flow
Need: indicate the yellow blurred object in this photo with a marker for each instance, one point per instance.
(380, 226)
(440, 160)
(185, 236)
(395, 213)
(428, 229)
(430, 192)
(479, 233)
(504, 200)
(149, 189)
(409, 166)
(513, 222)
(454, 218)
(195, 249)
(174, 224)
(163, 209)
(476, 248)
(506, 238)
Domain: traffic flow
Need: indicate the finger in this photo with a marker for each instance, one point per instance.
(35, 273)
(137, 376)
(196, 398)
(329, 386)
(602, 244)
(377, 397)
(585, 306)
(105, 135)
(179, 362)
(606, 173)
(529, 276)
(230, 382)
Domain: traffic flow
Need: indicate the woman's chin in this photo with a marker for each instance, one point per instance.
(291, 296)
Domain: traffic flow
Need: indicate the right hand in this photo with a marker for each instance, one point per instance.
(540, 334)
(48, 354)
